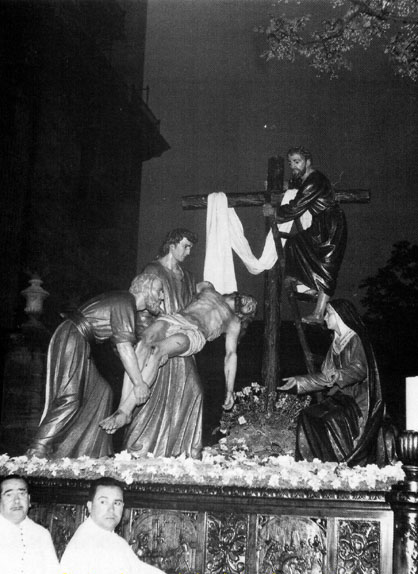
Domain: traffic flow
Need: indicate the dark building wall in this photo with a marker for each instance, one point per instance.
(74, 139)
(74, 136)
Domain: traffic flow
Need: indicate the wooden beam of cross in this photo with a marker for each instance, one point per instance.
(273, 277)
(258, 198)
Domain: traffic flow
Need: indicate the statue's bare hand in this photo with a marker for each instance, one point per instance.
(141, 392)
(229, 401)
(291, 385)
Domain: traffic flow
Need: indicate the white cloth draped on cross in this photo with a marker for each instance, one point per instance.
(224, 233)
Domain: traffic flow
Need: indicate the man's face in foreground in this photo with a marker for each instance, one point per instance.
(14, 500)
(106, 508)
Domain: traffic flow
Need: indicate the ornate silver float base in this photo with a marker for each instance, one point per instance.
(212, 529)
(404, 502)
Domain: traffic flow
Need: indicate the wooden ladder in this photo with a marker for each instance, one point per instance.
(293, 297)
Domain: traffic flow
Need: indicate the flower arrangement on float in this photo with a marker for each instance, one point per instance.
(252, 428)
(274, 472)
(256, 452)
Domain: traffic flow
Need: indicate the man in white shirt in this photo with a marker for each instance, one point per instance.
(95, 548)
(25, 547)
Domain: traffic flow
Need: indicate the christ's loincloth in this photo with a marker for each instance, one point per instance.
(179, 324)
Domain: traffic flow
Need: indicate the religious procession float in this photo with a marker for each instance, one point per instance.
(246, 506)
(251, 504)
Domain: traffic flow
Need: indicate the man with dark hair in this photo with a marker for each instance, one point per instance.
(25, 547)
(103, 481)
(314, 251)
(95, 547)
(170, 422)
(185, 333)
(181, 237)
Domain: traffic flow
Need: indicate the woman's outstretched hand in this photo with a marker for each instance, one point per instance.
(290, 386)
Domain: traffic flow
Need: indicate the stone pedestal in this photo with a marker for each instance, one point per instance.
(23, 390)
(404, 502)
(24, 375)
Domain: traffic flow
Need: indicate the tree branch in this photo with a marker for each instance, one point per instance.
(327, 45)
(384, 15)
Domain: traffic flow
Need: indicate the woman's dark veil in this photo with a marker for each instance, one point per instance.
(366, 450)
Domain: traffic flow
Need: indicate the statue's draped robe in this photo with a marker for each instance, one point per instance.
(170, 422)
(78, 397)
(344, 426)
(314, 255)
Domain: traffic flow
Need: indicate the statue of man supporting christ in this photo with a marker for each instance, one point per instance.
(313, 254)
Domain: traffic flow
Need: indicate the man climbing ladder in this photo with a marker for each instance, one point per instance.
(313, 254)
(274, 195)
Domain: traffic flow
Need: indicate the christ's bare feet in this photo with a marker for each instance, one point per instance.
(116, 421)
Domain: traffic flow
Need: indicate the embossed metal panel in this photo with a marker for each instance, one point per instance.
(291, 544)
(226, 543)
(171, 540)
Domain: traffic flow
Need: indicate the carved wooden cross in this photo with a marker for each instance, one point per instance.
(273, 277)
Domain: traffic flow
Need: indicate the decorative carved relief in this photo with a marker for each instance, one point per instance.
(358, 547)
(251, 541)
(405, 548)
(66, 520)
(42, 514)
(76, 486)
(291, 544)
(62, 520)
(226, 543)
(410, 545)
(167, 539)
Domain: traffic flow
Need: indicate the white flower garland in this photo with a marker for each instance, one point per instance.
(281, 472)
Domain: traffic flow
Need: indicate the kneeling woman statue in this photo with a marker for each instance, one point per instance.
(345, 424)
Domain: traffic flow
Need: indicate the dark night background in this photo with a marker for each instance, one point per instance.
(225, 110)
(80, 208)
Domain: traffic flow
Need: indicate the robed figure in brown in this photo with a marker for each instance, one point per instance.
(170, 422)
(78, 396)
